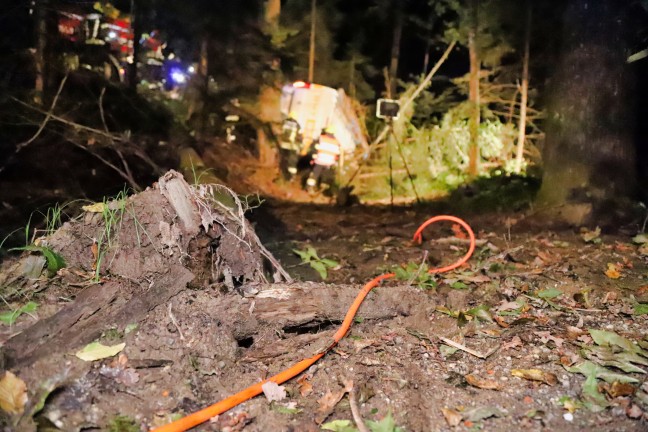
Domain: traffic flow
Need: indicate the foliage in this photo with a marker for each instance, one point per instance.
(437, 156)
(122, 423)
(55, 262)
(320, 265)
(10, 317)
(112, 212)
(416, 274)
(387, 424)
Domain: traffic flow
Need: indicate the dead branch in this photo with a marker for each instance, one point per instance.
(41, 128)
(71, 123)
(355, 411)
(125, 175)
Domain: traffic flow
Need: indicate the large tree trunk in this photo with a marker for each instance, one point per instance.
(39, 55)
(136, 23)
(473, 149)
(268, 102)
(311, 52)
(395, 48)
(589, 153)
(524, 91)
(272, 13)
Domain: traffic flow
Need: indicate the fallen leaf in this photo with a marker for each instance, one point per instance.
(13, 394)
(474, 279)
(549, 293)
(640, 239)
(339, 426)
(482, 413)
(536, 375)
(361, 344)
(546, 336)
(273, 391)
(330, 399)
(574, 332)
(97, 207)
(622, 247)
(452, 417)
(608, 338)
(593, 399)
(458, 232)
(95, 254)
(634, 411)
(97, 351)
(289, 408)
(507, 306)
(305, 387)
(570, 404)
(640, 309)
(387, 424)
(482, 383)
(513, 343)
(527, 400)
(617, 389)
(612, 271)
(592, 236)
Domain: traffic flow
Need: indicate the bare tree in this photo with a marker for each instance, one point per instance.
(473, 150)
(524, 92)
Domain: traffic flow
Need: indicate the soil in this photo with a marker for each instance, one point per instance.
(189, 293)
(192, 338)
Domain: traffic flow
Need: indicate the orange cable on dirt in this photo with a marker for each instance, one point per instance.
(226, 404)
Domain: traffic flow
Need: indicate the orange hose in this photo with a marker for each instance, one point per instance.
(226, 404)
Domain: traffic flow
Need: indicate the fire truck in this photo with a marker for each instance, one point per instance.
(309, 110)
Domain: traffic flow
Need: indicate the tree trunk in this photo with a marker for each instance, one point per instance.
(136, 24)
(39, 56)
(272, 13)
(311, 54)
(519, 154)
(589, 154)
(203, 71)
(395, 49)
(473, 150)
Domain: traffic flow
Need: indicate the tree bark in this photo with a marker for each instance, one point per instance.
(589, 153)
(524, 93)
(395, 48)
(272, 13)
(473, 150)
(41, 44)
(136, 24)
(311, 54)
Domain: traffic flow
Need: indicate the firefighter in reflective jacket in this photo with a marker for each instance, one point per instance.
(328, 152)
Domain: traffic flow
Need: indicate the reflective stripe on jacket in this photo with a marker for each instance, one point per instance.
(328, 150)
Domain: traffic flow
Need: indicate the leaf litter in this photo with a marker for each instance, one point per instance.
(557, 351)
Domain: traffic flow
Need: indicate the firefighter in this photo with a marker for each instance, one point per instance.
(289, 146)
(326, 156)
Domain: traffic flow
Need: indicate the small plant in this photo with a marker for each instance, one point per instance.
(53, 218)
(416, 274)
(112, 213)
(122, 423)
(320, 265)
(10, 317)
(55, 262)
